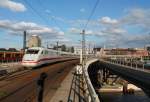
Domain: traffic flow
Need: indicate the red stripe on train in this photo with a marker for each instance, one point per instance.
(44, 59)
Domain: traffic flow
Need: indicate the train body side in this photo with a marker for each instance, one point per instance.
(38, 56)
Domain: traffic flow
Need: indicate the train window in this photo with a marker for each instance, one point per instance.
(46, 52)
(30, 51)
(42, 52)
(51, 52)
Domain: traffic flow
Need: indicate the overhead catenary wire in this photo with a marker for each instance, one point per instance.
(86, 24)
(36, 12)
(51, 16)
(42, 17)
(83, 34)
(91, 14)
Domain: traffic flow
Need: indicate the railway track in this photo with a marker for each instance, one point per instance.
(23, 72)
(25, 82)
(8, 80)
(14, 75)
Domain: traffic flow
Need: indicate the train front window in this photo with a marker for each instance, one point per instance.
(32, 51)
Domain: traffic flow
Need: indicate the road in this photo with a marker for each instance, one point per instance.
(23, 88)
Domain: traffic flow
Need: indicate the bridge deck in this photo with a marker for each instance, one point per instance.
(137, 77)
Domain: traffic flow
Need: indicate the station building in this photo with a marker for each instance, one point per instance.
(128, 51)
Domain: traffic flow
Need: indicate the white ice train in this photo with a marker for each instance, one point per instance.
(37, 56)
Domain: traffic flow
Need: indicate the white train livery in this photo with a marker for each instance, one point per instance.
(37, 56)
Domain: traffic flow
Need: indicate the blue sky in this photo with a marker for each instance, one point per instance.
(115, 23)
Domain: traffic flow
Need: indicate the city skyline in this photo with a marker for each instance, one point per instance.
(112, 23)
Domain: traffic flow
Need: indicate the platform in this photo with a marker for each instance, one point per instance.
(69, 90)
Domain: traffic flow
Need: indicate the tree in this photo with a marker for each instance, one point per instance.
(55, 48)
(12, 49)
(72, 49)
(63, 48)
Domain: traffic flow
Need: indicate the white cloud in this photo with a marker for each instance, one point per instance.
(60, 39)
(74, 30)
(114, 31)
(129, 30)
(102, 32)
(18, 26)
(79, 23)
(60, 19)
(134, 17)
(63, 39)
(137, 17)
(89, 32)
(82, 10)
(14, 6)
(132, 28)
(99, 33)
(78, 31)
(138, 39)
(31, 28)
(47, 11)
(108, 20)
(128, 40)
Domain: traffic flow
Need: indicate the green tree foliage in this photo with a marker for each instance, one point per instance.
(63, 48)
(72, 49)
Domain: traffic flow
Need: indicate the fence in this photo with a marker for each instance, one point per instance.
(90, 93)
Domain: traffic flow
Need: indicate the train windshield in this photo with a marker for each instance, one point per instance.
(31, 51)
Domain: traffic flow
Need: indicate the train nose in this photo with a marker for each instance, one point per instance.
(29, 61)
(29, 58)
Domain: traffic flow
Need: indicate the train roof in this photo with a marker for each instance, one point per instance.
(42, 48)
(37, 48)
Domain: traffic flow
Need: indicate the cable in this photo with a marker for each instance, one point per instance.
(51, 16)
(43, 18)
(34, 10)
(92, 12)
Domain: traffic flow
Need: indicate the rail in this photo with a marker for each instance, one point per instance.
(90, 92)
(10, 67)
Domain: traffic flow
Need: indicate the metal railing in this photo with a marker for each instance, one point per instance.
(90, 93)
(131, 64)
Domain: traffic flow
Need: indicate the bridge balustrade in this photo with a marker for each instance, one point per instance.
(135, 64)
(90, 92)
